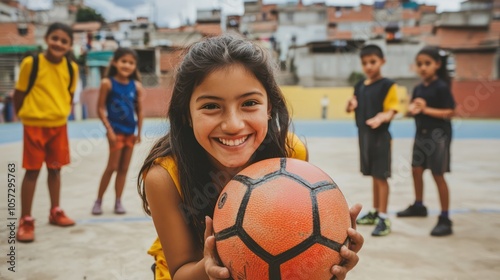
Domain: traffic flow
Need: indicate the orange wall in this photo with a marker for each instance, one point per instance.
(474, 66)
(477, 99)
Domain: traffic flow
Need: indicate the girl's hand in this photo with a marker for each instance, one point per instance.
(212, 268)
(414, 109)
(417, 106)
(351, 104)
(111, 137)
(350, 254)
(420, 102)
(138, 139)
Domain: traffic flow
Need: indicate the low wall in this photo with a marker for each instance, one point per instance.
(305, 103)
(475, 99)
(155, 102)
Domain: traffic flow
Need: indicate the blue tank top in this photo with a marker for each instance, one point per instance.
(120, 105)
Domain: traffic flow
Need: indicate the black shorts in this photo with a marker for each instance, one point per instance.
(431, 150)
(375, 152)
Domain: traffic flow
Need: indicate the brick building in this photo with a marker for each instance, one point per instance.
(472, 37)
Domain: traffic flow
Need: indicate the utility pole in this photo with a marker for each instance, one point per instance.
(223, 17)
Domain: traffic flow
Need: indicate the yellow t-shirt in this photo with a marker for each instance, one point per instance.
(48, 104)
(298, 151)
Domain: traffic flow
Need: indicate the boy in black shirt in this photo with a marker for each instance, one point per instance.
(375, 103)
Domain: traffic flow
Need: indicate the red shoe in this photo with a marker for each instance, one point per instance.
(58, 218)
(26, 230)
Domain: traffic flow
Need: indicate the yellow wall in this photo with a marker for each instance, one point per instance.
(305, 103)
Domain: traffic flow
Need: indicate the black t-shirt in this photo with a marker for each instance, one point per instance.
(371, 101)
(437, 95)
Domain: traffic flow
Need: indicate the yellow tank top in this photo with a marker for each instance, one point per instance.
(298, 150)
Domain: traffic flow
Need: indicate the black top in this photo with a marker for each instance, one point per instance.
(371, 101)
(437, 95)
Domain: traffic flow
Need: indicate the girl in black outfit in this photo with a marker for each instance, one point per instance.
(432, 106)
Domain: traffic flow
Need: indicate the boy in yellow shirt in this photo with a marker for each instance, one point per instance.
(43, 108)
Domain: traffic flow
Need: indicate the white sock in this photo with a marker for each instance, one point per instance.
(383, 215)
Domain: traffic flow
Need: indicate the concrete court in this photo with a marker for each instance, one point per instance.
(114, 247)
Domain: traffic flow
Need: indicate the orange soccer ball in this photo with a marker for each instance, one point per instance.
(281, 218)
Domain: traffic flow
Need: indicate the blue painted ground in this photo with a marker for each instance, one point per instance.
(462, 129)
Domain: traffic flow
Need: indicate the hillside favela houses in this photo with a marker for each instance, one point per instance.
(316, 47)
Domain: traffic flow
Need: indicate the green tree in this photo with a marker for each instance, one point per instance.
(86, 14)
(355, 77)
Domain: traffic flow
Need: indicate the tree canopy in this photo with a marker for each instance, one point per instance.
(86, 14)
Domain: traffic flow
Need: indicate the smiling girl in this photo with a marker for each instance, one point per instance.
(120, 110)
(226, 113)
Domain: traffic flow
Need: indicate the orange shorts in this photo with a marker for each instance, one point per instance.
(123, 140)
(45, 144)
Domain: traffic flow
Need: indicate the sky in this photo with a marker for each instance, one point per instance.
(172, 13)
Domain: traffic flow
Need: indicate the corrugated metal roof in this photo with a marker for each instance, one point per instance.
(18, 49)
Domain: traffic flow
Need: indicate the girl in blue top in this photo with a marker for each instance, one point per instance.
(432, 105)
(119, 108)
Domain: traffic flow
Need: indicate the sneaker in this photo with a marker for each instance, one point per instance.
(58, 218)
(443, 227)
(382, 228)
(119, 209)
(368, 219)
(97, 210)
(26, 230)
(413, 211)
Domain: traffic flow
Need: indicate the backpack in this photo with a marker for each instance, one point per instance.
(34, 73)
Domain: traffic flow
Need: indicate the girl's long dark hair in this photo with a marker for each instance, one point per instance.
(196, 175)
(112, 71)
(439, 56)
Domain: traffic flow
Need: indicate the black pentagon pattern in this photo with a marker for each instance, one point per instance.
(316, 238)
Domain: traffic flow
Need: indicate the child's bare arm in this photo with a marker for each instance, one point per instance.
(101, 109)
(352, 104)
(168, 211)
(438, 113)
(138, 109)
(101, 103)
(380, 118)
(18, 99)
